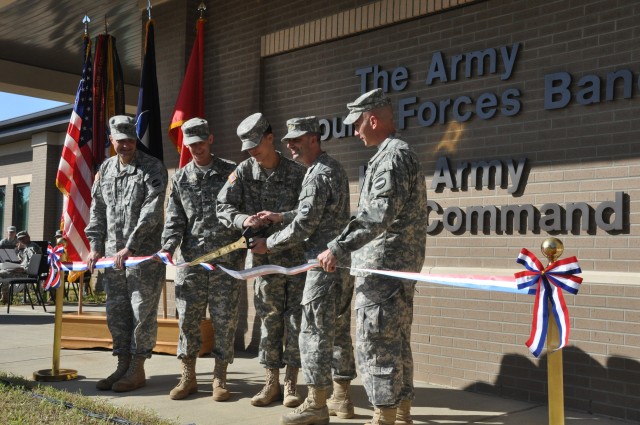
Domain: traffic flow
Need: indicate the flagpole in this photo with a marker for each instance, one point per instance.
(56, 373)
(552, 248)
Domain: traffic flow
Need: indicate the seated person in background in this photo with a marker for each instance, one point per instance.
(26, 250)
(10, 241)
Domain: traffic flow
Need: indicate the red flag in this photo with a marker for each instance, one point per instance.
(190, 103)
(75, 171)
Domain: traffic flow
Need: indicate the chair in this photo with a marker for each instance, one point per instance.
(75, 286)
(38, 267)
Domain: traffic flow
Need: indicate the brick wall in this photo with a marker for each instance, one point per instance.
(464, 338)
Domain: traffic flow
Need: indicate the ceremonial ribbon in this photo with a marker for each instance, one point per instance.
(548, 283)
(536, 280)
(107, 262)
(53, 258)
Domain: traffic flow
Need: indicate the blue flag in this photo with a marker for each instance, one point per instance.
(148, 115)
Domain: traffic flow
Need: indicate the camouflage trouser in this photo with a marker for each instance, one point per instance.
(132, 306)
(383, 347)
(197, 288)
(325, 337)
(277, 300)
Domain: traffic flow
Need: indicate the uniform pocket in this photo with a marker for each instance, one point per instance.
(370, 323)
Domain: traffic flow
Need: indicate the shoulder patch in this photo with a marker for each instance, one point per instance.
(232, 177)
(379, 183)
(305, 208)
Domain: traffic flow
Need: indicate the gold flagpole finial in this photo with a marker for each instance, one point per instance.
(201, 8)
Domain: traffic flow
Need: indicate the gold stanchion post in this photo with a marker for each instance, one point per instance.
(552, 248)
(55, 373)
(80, 293)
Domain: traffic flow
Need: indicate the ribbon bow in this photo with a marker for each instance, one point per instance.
(544, 282)
(55, 265)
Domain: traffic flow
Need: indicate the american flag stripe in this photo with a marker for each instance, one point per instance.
(75, 171)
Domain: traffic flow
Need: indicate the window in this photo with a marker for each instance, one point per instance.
(2, 192)
(21, 194)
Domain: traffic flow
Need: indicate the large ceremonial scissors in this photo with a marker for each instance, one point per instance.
(242, 243)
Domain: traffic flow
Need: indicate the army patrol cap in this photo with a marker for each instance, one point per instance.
(11, 229)
(251, 130)
(22, 234)
(298, 126)
(368, 101)
(122, 127)
(195, 130)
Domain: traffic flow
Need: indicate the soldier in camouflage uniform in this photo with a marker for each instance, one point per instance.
(389, 232)
(10, 241)
(269, 181)
(126, 220)
(191, 223)
(323, 211)
(26, 249)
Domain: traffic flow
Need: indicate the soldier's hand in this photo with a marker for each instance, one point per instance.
(91, 261)
(254, 221)
(120, 257)
(272, 217)
(328, 261)
(259, 246)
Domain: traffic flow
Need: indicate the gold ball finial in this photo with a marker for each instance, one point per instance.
(552, 248)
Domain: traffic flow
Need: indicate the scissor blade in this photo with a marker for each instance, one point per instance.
(239, 244)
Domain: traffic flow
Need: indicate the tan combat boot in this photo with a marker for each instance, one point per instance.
(291, 396)
(220, 391)
(271, 390)
(188, 384)
(134, 378)
(340, 404)
(383, 416)
(123, 365)
(403, 415)
(312, 412)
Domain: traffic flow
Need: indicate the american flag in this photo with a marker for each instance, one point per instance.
(75, 172)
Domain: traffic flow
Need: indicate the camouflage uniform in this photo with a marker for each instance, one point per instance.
(388, 233)
(26, 254)
(323, 210)
(25, 258)
(277, 297)
(7, 243)
(127, 211)
(191, 223)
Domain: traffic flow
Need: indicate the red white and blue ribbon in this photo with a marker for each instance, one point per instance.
(548, 283)
(53, 278)
(485, 283)
(536, 280)
(269, 269)
(108, 262)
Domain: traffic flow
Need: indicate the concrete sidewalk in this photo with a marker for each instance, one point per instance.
(27, 341)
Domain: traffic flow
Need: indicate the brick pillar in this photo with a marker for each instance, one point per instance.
(44, 208)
